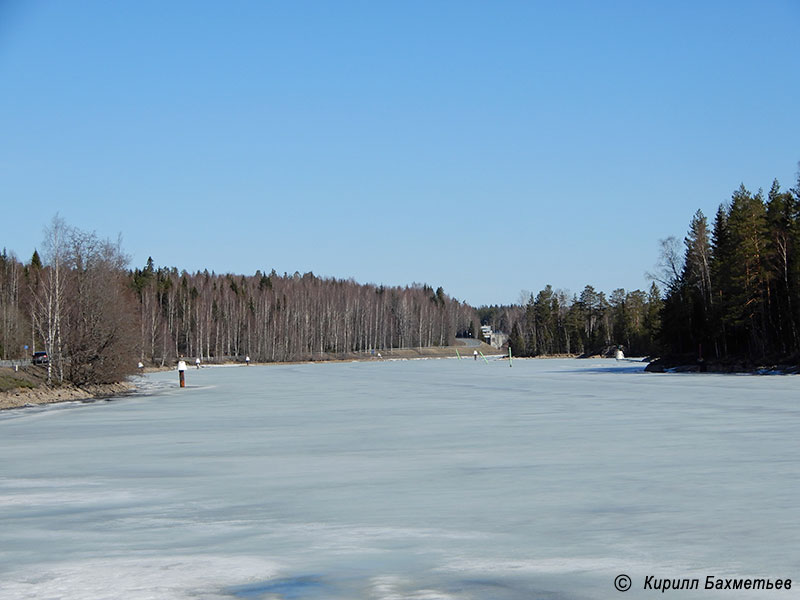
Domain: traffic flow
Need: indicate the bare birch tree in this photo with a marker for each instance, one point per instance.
(49, 296)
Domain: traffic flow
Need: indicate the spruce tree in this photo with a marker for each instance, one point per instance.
(747, 227)
(696, 277)
(721, 261)
(782, 224)
(36, 262)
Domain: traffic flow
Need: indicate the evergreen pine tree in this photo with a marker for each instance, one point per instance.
(747, 227)
(782, 224)
(36, 262)
(696, 277)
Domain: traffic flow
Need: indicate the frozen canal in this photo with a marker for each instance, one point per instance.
(435, 479)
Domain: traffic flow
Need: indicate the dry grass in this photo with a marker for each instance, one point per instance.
(28, 385)
(28, 377)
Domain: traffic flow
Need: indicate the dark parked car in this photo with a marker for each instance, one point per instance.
(40, 358)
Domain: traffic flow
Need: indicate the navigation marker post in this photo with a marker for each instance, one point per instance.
(182, 372)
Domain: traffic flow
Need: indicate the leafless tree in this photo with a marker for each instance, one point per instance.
(50, 296)
(101, 331)
(278, 318)
(670, 263)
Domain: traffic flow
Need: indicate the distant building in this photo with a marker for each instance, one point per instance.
(493, 338)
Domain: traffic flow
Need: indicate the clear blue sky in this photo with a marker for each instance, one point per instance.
(485, 147)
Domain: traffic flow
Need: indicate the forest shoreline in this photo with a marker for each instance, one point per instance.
(27, 386)
(32, 393)
(731, 366)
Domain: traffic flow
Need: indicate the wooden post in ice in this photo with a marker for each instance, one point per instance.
(182, 372)
(510, 363)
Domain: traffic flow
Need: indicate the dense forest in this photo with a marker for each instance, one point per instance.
(96, 319)
(553, 322)
(734, 292)
(731, 290)
(272, 317)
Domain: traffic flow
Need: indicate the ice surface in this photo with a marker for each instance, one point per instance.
(385, 480)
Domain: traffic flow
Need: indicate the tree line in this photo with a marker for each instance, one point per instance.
(734, 291)
(731, 290)
(272, 317)
(553, 322)
(96, 319)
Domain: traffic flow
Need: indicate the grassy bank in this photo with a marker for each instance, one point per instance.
(27, 386)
